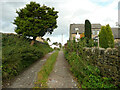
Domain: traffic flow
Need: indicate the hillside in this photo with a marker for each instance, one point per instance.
(17, 54)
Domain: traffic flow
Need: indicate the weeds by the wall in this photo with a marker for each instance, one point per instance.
(88, 75)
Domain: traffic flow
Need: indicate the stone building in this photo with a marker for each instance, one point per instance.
(40, 39)
(81, 28)
(95, 31)
(116, 34)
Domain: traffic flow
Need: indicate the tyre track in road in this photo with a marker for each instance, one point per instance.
(61, 76)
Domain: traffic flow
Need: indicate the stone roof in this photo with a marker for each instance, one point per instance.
(81, 27)
(116, 32)
(96, 26)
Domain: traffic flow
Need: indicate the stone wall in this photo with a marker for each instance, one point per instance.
(107, 60)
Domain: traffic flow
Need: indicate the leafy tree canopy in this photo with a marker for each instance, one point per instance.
(48, 39)
(35, 20)
(55, 43)
(88, 31)
(106, 38)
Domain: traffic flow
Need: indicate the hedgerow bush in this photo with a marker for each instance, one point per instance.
(90, 42)
(106, 38)
(88, 75)
(17, 54)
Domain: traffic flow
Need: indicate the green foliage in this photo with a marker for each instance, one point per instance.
(91, 42)
(55, 48)
(106, 38)
(88, 31)
(48, 39)
(60, 45)
(95, 44)
(17, 54)
(55, 43)
(88, 75)
(35, 20)
(46, 42)
(97, 82)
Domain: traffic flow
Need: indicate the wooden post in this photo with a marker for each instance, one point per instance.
(98, 41)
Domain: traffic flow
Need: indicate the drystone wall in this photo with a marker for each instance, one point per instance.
(107, 60)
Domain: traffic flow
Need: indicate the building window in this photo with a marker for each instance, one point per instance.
(76, 29)
(93, 32)
(97, 32)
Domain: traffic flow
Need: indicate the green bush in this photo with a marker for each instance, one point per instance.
(88, 32)
(17, 54)
(106, 38)
(89, 43)
(88, 75)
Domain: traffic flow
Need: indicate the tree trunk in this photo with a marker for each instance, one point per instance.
(33, 41)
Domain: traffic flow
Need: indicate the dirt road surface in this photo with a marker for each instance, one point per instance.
(28, 77)
(61, 76)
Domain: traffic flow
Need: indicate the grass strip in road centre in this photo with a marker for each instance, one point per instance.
(42, 76)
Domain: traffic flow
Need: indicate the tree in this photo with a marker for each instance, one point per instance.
(55, 43)
(102, 37)
(48, 39)
(110, 36)
(60, 45)
(88, 31)
(35, 20)
(106, 38)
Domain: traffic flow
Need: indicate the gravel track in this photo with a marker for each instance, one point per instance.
(61, 76)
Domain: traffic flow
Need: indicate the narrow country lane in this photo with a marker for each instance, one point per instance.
(61, 76)
(28, 77)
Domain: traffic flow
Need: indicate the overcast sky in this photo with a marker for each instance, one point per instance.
(70, 11)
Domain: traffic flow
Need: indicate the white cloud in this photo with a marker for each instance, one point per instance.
(70, 11)
(101, 0)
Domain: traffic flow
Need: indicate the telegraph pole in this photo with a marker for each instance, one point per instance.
(62, 38)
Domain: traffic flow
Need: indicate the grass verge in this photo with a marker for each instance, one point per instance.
(42, 76)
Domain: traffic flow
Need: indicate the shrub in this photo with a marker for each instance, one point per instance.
(106, 37)
(91, 43)
(17, 54)
(83, 65)
(88, 31)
